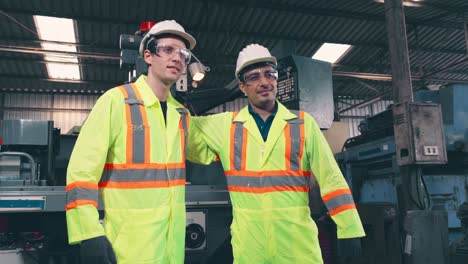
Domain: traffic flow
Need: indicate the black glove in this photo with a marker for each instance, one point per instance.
(350, 247)
(97, 250)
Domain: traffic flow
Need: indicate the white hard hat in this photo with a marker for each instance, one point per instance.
(252, 54)
(167, 27)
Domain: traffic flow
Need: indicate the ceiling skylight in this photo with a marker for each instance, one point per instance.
(331, 52)
(61, 30)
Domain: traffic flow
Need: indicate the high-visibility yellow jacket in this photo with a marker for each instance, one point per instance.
(269, 181)
(136, 161)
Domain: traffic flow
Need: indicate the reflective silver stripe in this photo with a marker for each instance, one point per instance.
(268, 181)
(139, 175)
(238, 140)
(82, 194)
(339, 201)
(183, 115)
(138, 127)
(295, 133)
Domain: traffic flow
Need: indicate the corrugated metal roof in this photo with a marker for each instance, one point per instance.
(436, 38)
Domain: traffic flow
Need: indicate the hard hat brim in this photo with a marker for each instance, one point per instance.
(255, 61)
(191, 40)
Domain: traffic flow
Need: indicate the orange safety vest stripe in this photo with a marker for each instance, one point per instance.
(81, 184)
(268, 189)
(244, 148)
(145, 124)
(145, 184)
(182, 139)
(302, 138)
(232, 150)
(77, 203)
(336, 193)
(112, 166)
(287, 149)
(130, 125)
(342, 208)
(128, 116)
(237, 135)
(266, 173)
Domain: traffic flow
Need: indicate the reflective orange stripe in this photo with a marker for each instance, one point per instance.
(112, 166)
(302, 133)
(266, 173)
(182, 138)
(233, 132)
(144, 118)
(342, 208)
(268, 189)
(138, 185)
(128, 116)
(81, 184)
(244, 148)
(124, 92)
(287, 148)
(188, 122)
(336, 193)
(77, 203)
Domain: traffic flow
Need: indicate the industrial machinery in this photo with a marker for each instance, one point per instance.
(34, 157)
(373, 165)
(306, 84)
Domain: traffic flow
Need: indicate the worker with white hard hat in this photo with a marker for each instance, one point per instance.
(269, 155)
(131, 151)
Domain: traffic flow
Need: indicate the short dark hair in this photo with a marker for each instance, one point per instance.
(253, 66)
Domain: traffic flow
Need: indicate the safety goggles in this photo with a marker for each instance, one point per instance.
(169, 51)
(254, 77)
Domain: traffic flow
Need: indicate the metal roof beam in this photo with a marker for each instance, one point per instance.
(35, 50)
(38, 42)
(266, 5)
(4, 78)
(111, 64)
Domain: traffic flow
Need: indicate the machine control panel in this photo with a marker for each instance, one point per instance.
(306, 84)
(22, 203)
(287, 80)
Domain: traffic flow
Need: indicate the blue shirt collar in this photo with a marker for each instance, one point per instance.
(253, 113)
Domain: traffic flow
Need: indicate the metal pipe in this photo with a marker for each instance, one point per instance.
(62, 54)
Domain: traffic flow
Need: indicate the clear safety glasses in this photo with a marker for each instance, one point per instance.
(254, 77)
(169, 51)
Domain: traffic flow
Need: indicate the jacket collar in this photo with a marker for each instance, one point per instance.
(283, 113)
(276, 130)
(148, 95)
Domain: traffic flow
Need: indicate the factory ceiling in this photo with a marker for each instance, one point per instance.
(436, 32)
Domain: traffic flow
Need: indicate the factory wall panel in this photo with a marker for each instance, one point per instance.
(66, 111)
(36, 115)
(67, 120)
(28, 100)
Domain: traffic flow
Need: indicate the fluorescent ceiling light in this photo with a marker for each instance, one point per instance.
(61, 30)
(331, 52)
(63, 71)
